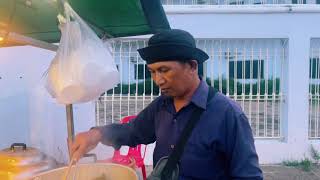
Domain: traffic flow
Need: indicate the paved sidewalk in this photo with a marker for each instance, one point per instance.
(279, 172)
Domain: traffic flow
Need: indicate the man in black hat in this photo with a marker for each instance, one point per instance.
(221, 145)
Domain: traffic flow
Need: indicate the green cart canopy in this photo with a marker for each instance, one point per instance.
(37, 19)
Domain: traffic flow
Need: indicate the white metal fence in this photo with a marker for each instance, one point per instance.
(236, 2)
(314, 89)
(248, 70)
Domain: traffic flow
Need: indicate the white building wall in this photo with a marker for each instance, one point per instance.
(29, 115)
(20, 69)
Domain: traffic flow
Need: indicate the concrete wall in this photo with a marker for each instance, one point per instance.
(20, 70)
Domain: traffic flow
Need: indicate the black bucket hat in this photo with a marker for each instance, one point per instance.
(174, 44)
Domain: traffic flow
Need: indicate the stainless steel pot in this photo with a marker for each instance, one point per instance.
(20, 161)
(91, 171)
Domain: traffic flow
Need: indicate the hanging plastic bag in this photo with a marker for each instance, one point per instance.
(83, 67)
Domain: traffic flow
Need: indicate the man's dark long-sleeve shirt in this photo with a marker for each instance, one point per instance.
(220, 147)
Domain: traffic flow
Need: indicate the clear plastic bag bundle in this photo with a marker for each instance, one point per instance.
(83, 67)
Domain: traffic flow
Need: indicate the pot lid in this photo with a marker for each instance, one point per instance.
(19, 154)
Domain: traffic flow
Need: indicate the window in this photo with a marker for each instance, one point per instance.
(141, 69)
(314, 68)
(257, 67)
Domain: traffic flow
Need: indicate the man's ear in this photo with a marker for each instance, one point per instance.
(193, 64)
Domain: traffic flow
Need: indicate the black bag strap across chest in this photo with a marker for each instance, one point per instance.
(176, 154)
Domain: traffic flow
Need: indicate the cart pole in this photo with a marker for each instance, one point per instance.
(70, 127)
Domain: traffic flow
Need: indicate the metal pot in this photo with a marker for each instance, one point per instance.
(20, 161)
(91, 171)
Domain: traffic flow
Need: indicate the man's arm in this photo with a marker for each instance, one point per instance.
(241, 152)
(138, 131)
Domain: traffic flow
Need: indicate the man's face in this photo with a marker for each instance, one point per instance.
(173, 78)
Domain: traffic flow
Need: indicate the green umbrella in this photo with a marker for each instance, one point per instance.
(37, 19)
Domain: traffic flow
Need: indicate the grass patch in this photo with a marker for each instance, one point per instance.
(305, 164)
(315, 154)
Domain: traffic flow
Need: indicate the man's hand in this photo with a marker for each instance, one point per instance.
(85, 142)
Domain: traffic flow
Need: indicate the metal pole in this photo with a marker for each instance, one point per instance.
(24, 40)
(70, 126)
